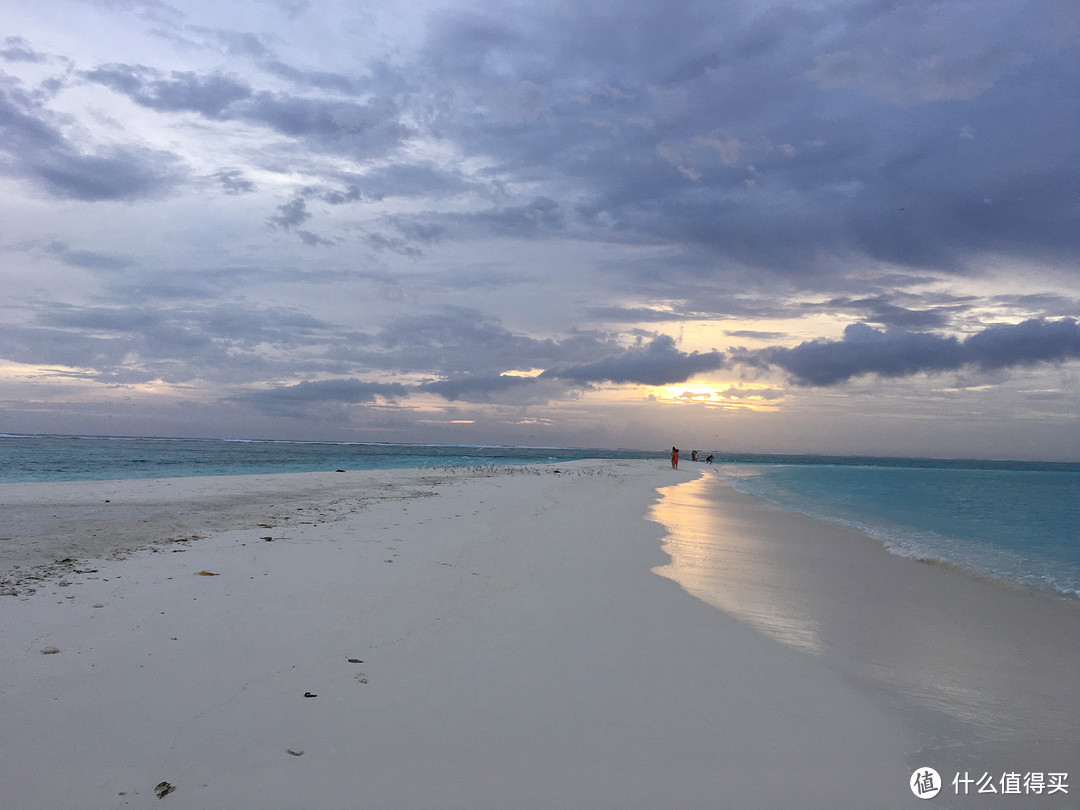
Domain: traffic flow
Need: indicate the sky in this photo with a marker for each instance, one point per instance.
(802, 227)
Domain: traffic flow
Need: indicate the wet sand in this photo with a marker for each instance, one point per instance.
(982, 671)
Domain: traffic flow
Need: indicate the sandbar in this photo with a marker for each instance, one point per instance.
(489, 638)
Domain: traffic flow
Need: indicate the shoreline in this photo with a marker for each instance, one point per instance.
(982, 667)
(484, 640)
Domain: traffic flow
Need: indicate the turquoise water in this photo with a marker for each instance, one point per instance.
(96, 458)
(1015, 521)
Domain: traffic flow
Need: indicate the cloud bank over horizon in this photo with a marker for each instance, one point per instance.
(820, 228)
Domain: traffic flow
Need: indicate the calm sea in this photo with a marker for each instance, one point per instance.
(98, 458)
(1017, 521)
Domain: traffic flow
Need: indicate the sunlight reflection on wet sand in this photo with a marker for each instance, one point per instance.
(723, 568)
(975, 660)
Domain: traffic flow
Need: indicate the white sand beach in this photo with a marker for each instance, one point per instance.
(422, 639)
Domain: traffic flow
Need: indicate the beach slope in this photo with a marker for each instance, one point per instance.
(473, 639)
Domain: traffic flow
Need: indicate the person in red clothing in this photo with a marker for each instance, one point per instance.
(674, 458)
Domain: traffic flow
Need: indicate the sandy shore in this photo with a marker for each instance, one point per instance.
(984, 672)
(412, 640)
(110, 519)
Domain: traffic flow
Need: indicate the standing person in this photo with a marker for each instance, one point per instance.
(674, 458)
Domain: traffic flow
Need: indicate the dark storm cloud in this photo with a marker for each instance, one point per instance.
(31, 146)
(658, 362)
(900, 353)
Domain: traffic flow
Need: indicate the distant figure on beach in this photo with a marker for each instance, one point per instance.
(674, 458)
(693, 455)
(708, 459)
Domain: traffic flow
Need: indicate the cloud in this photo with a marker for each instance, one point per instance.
(347, 391)
(316, 79)
(768, 394)
(291, 214)
(221, 343)
(313, 239)
(900, 353)
(637, 314)
(233, 181)
(334, 125)
(35, 148)
(455, 197)
(655, 363)
(1024, 344)
(210, 95)
(542, 214)
(120, 173)
(469, 387)
(17, 49)
(89, 259)
(635, 366)
(351, 391)
(670, 144)
(754, 334)
(879, 310)
(339, 126)
(454, 342)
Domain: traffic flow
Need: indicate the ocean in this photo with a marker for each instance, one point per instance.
(1016, 521)
(104, 458)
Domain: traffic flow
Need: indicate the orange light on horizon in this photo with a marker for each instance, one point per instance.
(724, 395)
